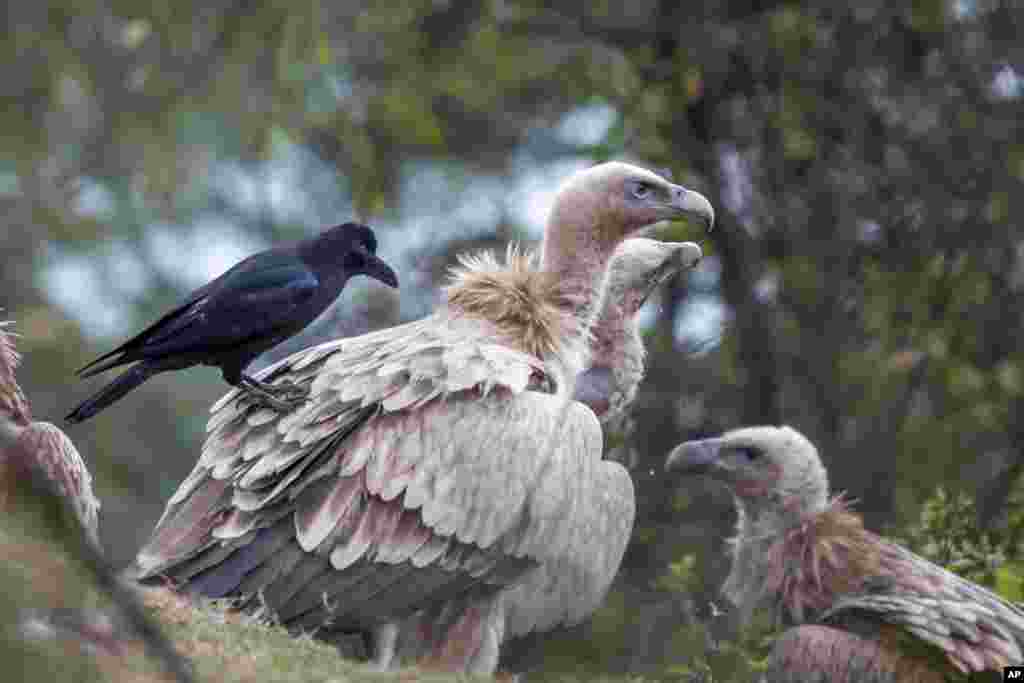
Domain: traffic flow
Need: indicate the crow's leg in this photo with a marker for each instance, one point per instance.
(282, 398)
(286, 386)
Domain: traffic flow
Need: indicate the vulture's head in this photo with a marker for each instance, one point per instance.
(597, 208)
(640, 265)
(769, 469)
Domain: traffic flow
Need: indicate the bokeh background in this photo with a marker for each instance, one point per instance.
(864, 282)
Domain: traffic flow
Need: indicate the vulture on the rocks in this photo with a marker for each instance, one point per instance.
(434, 463)
(857, 607)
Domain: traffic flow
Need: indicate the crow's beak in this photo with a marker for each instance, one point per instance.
(378, 270)
(694, 457)
(694, 204)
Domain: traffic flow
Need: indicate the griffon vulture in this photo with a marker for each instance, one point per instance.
(435, 462)
(616, 368)
(859, 607)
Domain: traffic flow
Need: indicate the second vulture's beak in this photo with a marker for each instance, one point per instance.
(694, 457)
(686, 255)
(694, 204)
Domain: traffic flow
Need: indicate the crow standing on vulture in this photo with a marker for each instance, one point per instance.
(434, 462)
(859, 608)
(251, 308)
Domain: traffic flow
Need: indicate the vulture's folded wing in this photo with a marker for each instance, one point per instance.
(573, 581)
(420, 468)
(814, 653)
(973, 627)
(57, 457)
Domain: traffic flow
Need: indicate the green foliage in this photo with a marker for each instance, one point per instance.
(946, 533)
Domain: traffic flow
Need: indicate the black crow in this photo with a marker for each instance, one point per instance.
(259, 303)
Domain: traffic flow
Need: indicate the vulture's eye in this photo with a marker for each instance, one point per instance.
(749, 454)
(642, 190)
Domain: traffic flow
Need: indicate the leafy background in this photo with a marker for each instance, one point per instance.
(864, 283)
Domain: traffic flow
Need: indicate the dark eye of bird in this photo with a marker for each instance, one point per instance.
(354, 259)
(642, 190)
(749, 453)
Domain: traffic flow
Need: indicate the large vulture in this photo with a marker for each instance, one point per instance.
(859, 607)
(434, 462)
(607, 386)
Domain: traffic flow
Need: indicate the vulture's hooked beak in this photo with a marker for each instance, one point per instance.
(686, 255)
(694, 457)
(379, 270)
(690, 203)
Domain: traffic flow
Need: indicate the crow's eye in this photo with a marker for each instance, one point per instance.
(355, 259)
(642, 190)
(749, 454)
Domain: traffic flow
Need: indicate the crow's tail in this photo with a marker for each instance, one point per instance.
(113, 391)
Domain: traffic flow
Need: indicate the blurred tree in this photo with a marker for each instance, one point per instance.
(864, 283)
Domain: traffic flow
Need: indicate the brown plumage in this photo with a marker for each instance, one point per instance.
(12, 400)
(44, 481)
(41, 444)
(860, 608)
(527, 307)
(435, 462)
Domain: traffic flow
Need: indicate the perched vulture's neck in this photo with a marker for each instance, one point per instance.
(616, 340)
(577, 250)
(797, 558)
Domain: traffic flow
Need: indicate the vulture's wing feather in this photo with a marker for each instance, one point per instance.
(574, 579)
(814, 653)
(975, 628)
(420, 468)
(58, 458)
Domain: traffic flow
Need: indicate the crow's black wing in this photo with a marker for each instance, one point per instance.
(256, 302)
(254, 297)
